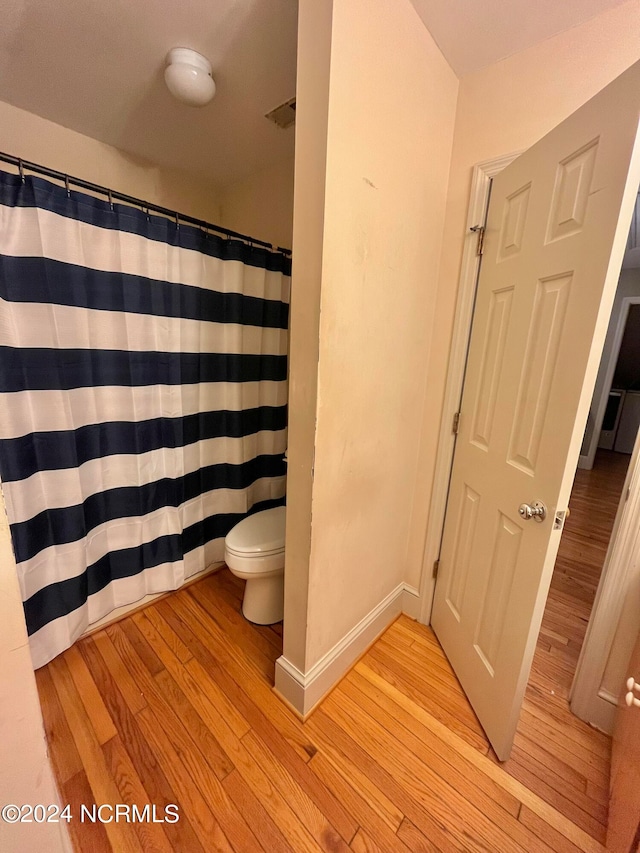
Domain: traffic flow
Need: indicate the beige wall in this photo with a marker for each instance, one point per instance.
(25, 772)
(30, 137)
(501, 109)
(262, 205)
(391, 115)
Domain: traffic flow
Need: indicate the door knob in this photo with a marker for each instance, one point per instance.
(632, 685)
(535, 510)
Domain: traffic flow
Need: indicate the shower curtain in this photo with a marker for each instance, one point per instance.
(142, 399)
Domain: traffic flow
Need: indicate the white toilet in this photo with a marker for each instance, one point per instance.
(254, 551)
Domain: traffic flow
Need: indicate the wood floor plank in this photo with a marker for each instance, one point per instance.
(411, 682)
(256, 815)
(311, 815)
(144, 651)
(181, 834)
(193, 678)
(529, 798)
(358, 777)
(170, 703)
(241, 682)
(195, 802)
(364, 843)
(255, 785)
(366, 816)
(438, 756)
(198, 790)
(547, 833)
(235, 626)
(195, 767)
(584, 763)
(101, 782)
(332, 734)
(198, 730)
(280, 810)
(392, 761)
(172, 640)
(150, 834)
(62, 749)
(452, 809)
(536, 762)
(530, 753)
(585, 820)
(85, 835)
(94, 706)
(584, 737)
(131, 692)
(414, 839)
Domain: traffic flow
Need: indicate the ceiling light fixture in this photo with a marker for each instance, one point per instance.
(188, 77)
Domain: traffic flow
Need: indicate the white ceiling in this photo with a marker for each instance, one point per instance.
(96, 66)
(474, 33)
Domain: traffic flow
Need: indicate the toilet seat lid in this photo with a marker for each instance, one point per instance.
(262, 532)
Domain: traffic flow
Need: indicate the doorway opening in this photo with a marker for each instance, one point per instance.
(610, 436)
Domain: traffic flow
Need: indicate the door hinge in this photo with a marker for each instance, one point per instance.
(479, 230)
(455, 426)
(436, 569)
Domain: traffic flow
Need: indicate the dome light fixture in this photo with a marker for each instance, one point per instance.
(188, 77)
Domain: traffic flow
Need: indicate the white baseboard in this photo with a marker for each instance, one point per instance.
(303, 691)
(411, 601)
(583, 462)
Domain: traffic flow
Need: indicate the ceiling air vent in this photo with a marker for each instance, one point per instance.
(284, 115)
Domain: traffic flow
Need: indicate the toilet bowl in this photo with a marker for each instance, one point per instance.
(254, 551)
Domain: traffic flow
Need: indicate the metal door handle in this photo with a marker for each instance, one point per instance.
(535, 510)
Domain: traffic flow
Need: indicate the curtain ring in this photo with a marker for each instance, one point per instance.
(66, 183)
(21, 170)
(110, 197)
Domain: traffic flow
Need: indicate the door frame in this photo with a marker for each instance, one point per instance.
(467, 285)
(586, 460)
(588, 700)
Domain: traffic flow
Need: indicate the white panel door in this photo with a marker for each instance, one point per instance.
(556, 230)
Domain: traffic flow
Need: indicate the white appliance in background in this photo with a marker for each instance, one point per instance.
(629, 423)
(611, 419)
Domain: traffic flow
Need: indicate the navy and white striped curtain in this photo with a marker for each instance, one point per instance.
(142, 400)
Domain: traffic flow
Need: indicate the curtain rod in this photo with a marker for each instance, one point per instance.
(135, 202)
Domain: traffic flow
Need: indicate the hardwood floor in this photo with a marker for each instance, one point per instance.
(594, 502)
(174, 705)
